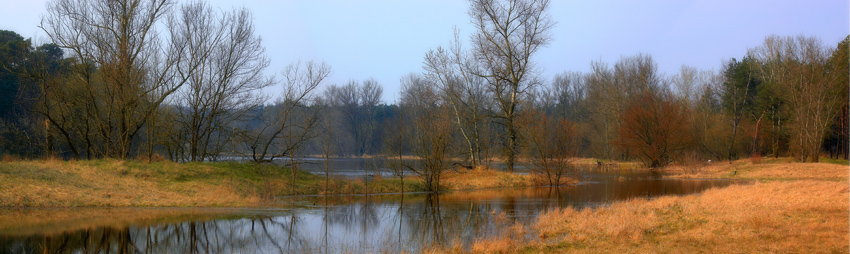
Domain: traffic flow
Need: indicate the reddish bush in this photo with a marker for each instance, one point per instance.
(654, 128)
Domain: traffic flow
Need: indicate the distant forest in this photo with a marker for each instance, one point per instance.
(185, 82)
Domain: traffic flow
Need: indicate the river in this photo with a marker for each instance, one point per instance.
(337, 224)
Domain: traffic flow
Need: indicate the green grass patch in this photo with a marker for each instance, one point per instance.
(842, 162)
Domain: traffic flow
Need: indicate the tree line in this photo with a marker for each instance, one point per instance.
(187, 82)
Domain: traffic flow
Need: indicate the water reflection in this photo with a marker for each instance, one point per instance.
(372, 224)
(358, 167)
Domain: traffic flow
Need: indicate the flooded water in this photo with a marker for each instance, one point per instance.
(348, 224)
(359, 167)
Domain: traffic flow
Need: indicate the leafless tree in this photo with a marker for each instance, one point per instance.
(700, 91)
(431, 130)
(325, 106)
(609, 91)
(54, 97)
(799, 65)
(605, 101)
(509, 33)
(451, 71)
(569, 96)
(656, 127)
(709, 121)
(686, 83)
(288, 125)
(225, 86)
(551, 145)
(394, 145)
(125, 67)
(357, 105)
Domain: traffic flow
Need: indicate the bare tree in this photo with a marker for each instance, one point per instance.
(551, 145)
(609, 91)
(569, 96)
(604, 105)
(52, 96)
(125, 68)
(799, 65)
(655, 126)
(709, 121)
(508, 35)
(225, 86)
(430, 132)
(395, 144)
(326, 142)
(287, 126)
(739, 93)
(464, 92)
(686, 83)
(357, 104)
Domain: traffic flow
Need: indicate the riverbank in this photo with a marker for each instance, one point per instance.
(130, 183)
(763, 169)
(791, 208)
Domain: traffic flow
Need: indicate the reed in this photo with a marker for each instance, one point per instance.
(800, 208)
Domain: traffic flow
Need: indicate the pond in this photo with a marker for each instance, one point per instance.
(347, 224)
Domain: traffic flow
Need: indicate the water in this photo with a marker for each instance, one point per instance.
(379, 223)
(345, 167)
(350, 168)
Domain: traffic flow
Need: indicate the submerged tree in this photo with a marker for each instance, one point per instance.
(551, 145)
(430, 131)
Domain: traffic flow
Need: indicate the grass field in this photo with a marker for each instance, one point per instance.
(763, 169)
(790, 208)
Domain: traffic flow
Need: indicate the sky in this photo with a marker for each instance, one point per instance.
(388, 39)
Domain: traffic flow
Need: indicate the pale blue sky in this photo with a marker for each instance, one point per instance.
(388, 39)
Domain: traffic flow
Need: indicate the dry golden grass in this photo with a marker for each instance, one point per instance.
(746, 169)
(54, 183)
(511, 236)
(485, 178)
(803, 209)
(775, 217)
(491, 194)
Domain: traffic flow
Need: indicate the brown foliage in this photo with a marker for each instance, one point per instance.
(551, 144)
(654, 127)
